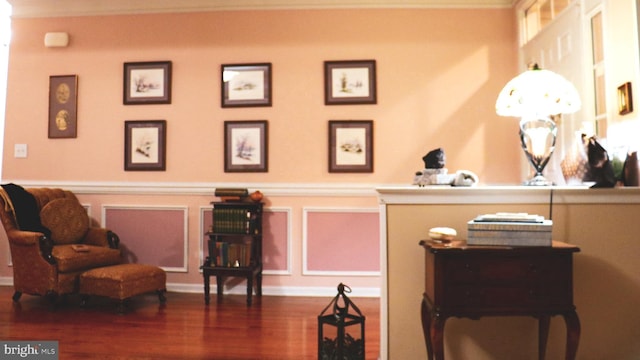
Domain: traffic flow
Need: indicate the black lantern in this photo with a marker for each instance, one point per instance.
(340, 333)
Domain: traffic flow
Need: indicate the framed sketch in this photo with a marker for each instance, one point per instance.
(351, 146)
(63, 106)
(625, 99)
(145, 145)
(246, 85)
(147, 83)
(350, 82)
(245, 146)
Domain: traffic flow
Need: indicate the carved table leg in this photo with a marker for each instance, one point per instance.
(437, 336)
(573, 334)
(426, 327)
(543, 335)
(433, 329)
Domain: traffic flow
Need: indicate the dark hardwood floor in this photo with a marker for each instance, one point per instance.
(275, 327)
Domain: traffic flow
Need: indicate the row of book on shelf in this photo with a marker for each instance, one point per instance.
(510, 229)
(232, 220)
(231, 254)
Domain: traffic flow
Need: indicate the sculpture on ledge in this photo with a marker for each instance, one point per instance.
(435, 172)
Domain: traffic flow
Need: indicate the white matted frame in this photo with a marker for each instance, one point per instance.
(245, 85)
(350, 82)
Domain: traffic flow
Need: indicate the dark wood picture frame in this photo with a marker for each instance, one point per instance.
(246, 85)
(350, 82)
(246, 146)
(625, 99)
(145, 145)
(351, 146)
(63, 106)
(147, 83)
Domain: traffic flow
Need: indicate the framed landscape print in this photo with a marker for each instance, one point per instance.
(625, 99)
(245, 146)
(147, 83)
(351, 146)
(350, 82)
(246, 85)
(63, 106)
(145, 145)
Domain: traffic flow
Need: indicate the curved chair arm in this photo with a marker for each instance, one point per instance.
(23, 238)
(101, 237)
(46, 247)
(30, 245)
(114, 239)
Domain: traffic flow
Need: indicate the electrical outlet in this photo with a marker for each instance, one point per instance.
(20, 151)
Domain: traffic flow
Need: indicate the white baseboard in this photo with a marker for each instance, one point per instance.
(241, 289)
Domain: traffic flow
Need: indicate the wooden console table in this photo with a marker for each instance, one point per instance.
(475, 281)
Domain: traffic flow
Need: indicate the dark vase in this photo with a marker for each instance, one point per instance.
(630, 170)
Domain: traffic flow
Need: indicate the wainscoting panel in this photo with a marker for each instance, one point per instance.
(341, 242)
(154, 235)
(276, 239)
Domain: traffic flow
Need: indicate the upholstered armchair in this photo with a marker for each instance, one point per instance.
(51, 240)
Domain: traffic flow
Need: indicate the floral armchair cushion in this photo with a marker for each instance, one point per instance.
(67, 220)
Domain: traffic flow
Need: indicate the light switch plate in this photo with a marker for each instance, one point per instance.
(20, 151)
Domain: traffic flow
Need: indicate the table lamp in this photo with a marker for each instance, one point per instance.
(535, 96)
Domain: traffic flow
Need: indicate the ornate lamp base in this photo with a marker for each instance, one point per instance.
(538, 180)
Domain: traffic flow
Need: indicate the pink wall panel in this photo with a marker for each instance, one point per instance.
(207, 223)
(150, 236)
(275, 237)
(343, 241)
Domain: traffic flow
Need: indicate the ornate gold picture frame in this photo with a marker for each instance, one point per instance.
(63, 106)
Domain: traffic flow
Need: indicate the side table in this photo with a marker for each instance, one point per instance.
(475, 281)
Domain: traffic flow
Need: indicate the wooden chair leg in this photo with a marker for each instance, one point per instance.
(84, 299)
(161, 296)
(16, 296)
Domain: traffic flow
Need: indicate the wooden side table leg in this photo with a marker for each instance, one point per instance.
(206, 287)
(249, 289)
(219, 286)
(259, 284)
(426, 327)
(543, 335)
(437, 336)
(573, 334)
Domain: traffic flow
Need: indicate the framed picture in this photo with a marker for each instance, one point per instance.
(245, 146)
(145, 145)
(246, 85)
(351, 146)
(63, 106)
(147, 83)
(625, 99)
(350, 82)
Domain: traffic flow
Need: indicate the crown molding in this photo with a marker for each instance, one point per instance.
(61, 8)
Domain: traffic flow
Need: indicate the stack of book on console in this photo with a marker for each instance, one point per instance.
(509, 229)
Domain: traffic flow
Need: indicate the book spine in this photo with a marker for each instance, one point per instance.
(508, 226)
(531, 241)
(509, 234)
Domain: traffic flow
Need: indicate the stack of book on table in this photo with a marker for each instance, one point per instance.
(509, 229)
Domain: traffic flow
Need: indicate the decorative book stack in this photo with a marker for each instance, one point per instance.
(509, 229)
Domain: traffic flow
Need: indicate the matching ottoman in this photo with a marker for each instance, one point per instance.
(123, 281)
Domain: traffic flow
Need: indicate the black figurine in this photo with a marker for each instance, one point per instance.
(434, 159)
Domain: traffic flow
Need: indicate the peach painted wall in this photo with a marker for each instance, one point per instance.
(438, 75)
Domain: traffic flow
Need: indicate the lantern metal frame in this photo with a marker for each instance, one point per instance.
(340, 318)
